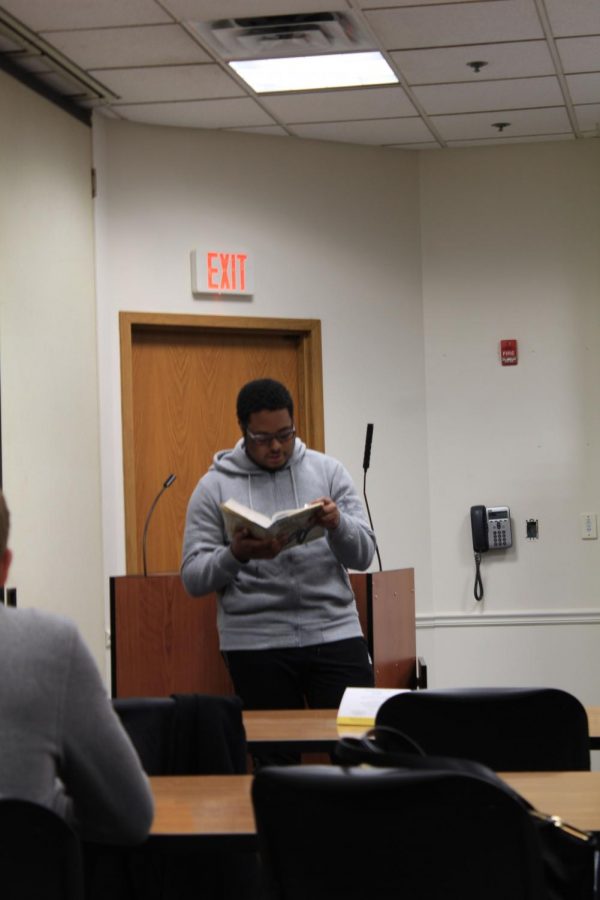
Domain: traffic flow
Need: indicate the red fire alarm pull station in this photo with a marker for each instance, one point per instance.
(509, 355)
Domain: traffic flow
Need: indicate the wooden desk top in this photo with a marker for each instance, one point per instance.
(304, 729)
(214, 808)
(218, 808)
(574, 796)
(316, 729)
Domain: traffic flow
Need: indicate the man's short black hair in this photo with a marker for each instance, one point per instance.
(264, 393)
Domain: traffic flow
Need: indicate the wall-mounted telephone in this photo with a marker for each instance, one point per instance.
(490, 529)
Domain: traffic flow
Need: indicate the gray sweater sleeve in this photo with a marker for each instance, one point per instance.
(353, 541)
(108, 796)
(207, 562)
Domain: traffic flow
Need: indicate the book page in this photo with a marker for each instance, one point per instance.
(244, 512)
(296, 513)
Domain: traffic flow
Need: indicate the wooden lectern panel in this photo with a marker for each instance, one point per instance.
(386, 608)
(166, 642)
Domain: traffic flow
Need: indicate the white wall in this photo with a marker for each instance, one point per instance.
(50, 422)
(510, 239)
(334, 234)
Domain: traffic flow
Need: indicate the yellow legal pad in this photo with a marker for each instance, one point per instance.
(359, 705)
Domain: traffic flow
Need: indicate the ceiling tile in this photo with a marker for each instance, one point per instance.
(376, 131)
(510, 94)
(522, 122)
(588, 117)
(466, 23)
(506, 60)
(573, 17)
(168, 83)
(42, 15)
(581, 54)
(340, 105)
(147, 45)
(584, 88)
(199, 113)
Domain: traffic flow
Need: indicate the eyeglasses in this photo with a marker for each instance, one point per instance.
(282, 437)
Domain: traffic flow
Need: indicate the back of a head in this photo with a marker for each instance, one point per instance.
(263, 393)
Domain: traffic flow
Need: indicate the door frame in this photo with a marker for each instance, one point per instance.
(307, 333)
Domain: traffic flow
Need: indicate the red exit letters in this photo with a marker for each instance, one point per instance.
(221, 273)
(226, 271)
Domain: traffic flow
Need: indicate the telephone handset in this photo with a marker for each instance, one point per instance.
(490, 530)
(479, 529)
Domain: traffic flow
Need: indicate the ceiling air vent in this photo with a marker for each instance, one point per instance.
(298, 34)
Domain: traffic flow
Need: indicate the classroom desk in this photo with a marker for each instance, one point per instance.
(206, 809)
(304, 730)
(217, 809)
(574, 796)
(315, 730)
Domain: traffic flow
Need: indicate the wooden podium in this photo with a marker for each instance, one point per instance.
(164, 642)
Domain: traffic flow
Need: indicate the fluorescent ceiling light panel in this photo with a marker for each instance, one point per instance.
(312, 73)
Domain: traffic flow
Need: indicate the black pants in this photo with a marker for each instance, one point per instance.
(295, 677)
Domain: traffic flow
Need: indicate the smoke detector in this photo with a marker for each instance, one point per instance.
(297, 34)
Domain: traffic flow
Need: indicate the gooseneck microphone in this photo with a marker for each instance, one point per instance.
(366, 464)
(368, 442)
(167, 484)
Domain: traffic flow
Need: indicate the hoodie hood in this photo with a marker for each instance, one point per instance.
(237, 462)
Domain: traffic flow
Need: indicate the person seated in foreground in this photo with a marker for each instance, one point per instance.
(62, 745)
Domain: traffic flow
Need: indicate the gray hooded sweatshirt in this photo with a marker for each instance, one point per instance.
(303, 596)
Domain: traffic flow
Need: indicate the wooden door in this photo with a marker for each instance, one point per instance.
(180, 377)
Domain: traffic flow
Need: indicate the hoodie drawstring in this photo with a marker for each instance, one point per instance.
(291, 471)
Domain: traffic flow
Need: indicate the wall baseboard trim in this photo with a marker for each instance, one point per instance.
(517, 617)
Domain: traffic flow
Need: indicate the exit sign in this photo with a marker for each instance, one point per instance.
(222, 272)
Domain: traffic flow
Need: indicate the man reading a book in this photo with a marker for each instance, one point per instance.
(287, 619)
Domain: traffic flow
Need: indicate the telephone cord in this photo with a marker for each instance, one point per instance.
(478, 587)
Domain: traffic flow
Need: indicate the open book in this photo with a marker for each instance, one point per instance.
(359, 706)
(295, 526)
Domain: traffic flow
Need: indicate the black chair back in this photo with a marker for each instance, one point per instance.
(186, 734)
(148, 721)
(327, 832)
(507, 729)
(40, 856)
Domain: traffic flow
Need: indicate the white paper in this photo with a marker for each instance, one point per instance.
(359, 706)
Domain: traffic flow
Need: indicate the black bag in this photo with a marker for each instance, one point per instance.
(569, 855)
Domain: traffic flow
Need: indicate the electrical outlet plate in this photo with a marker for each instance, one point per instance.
(589, 526)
